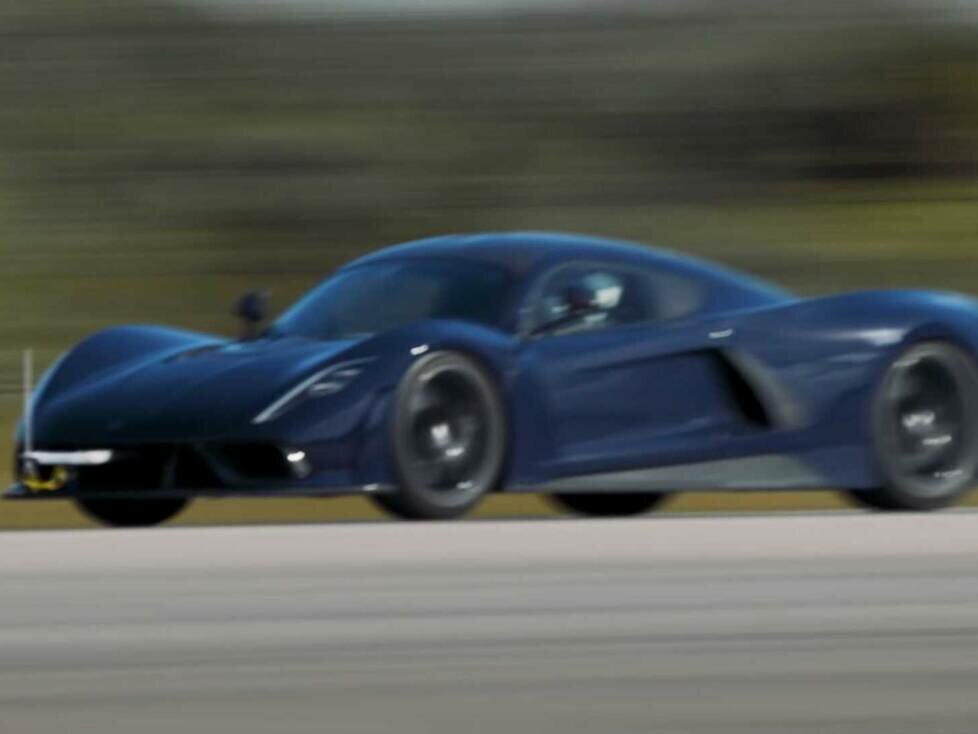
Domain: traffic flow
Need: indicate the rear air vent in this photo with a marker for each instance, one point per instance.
(748, 404)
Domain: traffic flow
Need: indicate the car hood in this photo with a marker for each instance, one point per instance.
(205, 391)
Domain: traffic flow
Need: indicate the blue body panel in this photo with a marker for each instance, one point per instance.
(641, 396)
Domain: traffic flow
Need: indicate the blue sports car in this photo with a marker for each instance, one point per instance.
(603, 374)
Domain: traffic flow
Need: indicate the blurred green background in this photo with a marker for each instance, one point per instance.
(158, 158)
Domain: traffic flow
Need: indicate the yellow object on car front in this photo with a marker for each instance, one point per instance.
(33, 481)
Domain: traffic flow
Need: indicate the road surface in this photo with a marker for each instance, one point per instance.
(792, 624)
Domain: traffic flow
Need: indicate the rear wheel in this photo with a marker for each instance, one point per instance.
(132, 513)
(608, 504)
(925, 430)
(448, 434)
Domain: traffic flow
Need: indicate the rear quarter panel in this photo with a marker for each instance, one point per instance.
(830, 354)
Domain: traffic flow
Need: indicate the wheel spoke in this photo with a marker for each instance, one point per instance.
(424, 399)
(434, 471)
(448, 432)
(928, 414)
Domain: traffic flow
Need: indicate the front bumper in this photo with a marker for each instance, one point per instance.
(191, 470)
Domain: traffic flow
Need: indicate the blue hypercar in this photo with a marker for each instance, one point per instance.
(604, 374)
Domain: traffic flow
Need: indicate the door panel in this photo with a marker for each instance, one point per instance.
(635, 396)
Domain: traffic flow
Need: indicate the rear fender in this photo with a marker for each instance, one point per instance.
(830, 353)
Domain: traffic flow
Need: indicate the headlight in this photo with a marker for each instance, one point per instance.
(329, 381)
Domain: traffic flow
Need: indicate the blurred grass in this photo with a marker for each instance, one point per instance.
(62, 514)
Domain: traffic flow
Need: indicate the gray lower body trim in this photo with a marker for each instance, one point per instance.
(755, 473)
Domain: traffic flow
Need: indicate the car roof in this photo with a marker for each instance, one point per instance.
(523, 253)
(517, 252)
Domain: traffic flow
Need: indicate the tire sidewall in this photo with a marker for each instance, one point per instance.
(608, 504)
(909, 493)
(130, 513)
(413, 500)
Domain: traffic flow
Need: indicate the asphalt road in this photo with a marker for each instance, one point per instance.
(790, 624)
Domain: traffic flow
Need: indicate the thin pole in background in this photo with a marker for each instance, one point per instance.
(28, 402)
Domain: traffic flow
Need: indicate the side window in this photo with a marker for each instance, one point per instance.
(673, 296)
(588, 297)
(591, 296)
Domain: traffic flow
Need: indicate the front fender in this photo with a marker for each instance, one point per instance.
(494, 350)
(113, 348)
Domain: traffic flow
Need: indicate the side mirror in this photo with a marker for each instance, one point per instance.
(251, 309)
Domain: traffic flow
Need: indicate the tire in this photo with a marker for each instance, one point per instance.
(448, 438)
(608, 504)
(131, 513)
(924, 421)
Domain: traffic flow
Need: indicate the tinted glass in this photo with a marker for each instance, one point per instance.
(673, 296)
(373, 298)
(619, 296)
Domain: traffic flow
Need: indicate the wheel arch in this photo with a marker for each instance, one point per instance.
(939, 331)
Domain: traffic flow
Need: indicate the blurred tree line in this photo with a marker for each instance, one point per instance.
(155, 158)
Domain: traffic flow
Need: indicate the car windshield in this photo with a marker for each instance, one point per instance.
(376, 297)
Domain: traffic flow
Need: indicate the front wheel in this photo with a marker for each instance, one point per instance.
(448, 438)
(131, 513)
(608, 504)
(925, 430)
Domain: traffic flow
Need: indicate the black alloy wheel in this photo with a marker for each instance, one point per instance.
(448, 434)
(925, 430)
